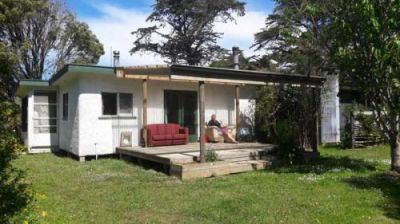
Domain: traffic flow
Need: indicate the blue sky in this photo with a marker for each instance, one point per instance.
(113, 20)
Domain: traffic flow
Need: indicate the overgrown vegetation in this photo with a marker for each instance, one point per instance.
(360, 129)
(359, 40)
(14, 194)
(286, 115)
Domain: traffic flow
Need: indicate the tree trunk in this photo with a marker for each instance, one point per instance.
(395, 153)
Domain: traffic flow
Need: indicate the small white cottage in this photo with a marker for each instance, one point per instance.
(86, 110)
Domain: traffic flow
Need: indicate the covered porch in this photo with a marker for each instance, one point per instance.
(203, 77)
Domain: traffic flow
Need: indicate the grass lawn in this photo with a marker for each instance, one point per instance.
(349, 186)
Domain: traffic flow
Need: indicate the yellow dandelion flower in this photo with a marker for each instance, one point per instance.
(44, 213)
(26, 222)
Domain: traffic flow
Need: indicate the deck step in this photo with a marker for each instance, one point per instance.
(241, 154)
(220, 168)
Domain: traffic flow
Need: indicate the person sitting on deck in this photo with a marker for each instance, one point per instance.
(225, 131)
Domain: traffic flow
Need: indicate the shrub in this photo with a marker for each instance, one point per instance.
(286, 139)
(286, 115)
(211, 156)
(14, 195)
(346, 137)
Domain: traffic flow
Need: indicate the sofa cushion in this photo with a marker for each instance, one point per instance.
(161, 143)
(179, 136)
(152, 128)
(179, 141)
(161, 137)
(172, 128)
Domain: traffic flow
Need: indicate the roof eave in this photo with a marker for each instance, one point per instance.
(78, 68)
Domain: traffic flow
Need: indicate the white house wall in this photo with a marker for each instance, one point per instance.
(95, 133)
(220, 100)
(330, 116)
(69, 128)
(100, 134)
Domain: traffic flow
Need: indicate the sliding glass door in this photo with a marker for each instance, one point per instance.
(181, 107)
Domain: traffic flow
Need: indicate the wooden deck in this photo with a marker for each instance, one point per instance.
(181, 154)
(182, 160)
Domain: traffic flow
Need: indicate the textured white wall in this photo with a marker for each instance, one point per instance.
(220, 100)
(87, 131)
(69, 129)
(101, 133)
(330, 116)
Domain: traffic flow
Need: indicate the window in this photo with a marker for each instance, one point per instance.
(65, 106)
(24, 114)
(125, 103)
(109, 103)
(117, 103)
(44, 112)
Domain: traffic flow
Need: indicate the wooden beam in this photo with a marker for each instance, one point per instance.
(237, 91)
(148, 77)
(144, 121)
(188, 78)
(202, 122)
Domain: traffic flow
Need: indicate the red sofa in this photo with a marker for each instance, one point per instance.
(166, 134)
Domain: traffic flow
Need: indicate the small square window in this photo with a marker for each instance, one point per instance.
(65, 106)
(109, 103)
(125, 103)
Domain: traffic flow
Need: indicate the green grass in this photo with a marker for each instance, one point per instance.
(348, 186)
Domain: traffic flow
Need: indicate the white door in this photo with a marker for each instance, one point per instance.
(45, 133)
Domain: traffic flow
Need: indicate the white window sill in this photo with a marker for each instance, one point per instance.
(127, 117)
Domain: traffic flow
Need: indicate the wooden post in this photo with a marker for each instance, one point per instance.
(202, 122)
(145, 112)
(237, 110)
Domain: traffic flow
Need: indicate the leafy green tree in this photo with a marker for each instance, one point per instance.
(359, 39)
(14, 195)
(367, 43)
(297, 36)
(45, 36)
(184, 29)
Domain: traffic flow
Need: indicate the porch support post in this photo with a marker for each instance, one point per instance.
(202, 122)
(237, 90)
(145, 112)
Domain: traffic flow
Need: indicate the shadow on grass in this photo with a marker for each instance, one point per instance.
(147, 165)
(389, 184)
(326, 164)
(65, 154)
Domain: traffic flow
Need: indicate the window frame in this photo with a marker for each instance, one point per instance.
(102, 104)
(119, 104)
(65, 106)
(118, 111)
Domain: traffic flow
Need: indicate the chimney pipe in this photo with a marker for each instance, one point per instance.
(116, 58)
(235, 57)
